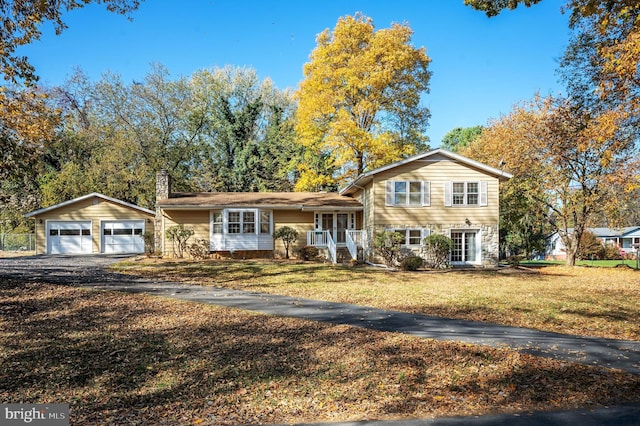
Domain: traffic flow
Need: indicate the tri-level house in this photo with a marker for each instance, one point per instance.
(435, 192)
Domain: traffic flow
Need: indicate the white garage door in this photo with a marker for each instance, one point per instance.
(69, 237)
(122, 236)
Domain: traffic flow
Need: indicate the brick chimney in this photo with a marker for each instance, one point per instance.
(163, 191)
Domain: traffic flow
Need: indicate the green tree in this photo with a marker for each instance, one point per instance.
(437, 250)
(21, 21)
(570, 161)
(388, 245)
(288, 235)
(179, 236)
(248, 134)
(360, 98)
(460, 137)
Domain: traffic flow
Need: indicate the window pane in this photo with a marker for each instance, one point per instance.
(86, 232)
(234, 228)
(472, 187)
(458, 187)
(217, 228)
(68, 232)
(458, 199)
(53, 232)
(122, 232)
(234, 217)
(248, 228)
(217, 216)
(402, 232)
(414, 236)
(400, 193)
(248, 217)
(248, 222)
(470, 246)
(472, 199)
(265, 222)
(456, 251)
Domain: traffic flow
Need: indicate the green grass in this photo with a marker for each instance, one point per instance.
(632, 263)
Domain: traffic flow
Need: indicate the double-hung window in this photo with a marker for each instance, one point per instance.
(407, 193)
(411, 236)
(465, 193)
(240, 221)
(217, 222)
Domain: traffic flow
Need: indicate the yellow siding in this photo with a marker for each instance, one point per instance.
(437, 173)
(95, 209)
(296, 219)
(196, 219)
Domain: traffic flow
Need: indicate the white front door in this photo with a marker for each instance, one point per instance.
(122, 236)
(69, 237)
(336, 224)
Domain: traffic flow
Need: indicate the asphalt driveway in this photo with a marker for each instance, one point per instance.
(91, 271)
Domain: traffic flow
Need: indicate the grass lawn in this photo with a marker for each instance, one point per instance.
(632, 263)
(583, 301)
(136, 359)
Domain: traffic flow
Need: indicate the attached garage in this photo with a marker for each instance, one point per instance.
(69, 237)
(93, 223)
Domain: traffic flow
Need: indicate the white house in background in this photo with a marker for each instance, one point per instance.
(624, 238)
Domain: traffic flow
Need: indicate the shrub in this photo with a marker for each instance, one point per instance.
(437, 250)
(590, 247)
(288, 236)
(179, 235)
(200, 249)
(149, 242)
(612, 252)
(309, 252)
(411, 263)
(387, 245)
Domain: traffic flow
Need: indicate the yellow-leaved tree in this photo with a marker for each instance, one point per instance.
(570, 162)
(359, 103)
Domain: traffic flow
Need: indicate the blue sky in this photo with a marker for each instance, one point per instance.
(481, 67)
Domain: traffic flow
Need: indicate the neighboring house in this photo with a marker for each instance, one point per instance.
(93, 223)
(436, 192)
(624, 238)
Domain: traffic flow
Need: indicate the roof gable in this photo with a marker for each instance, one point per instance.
(86, 197)
(435, 155)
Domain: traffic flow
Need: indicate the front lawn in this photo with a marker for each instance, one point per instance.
(584, 301)
(135, 359)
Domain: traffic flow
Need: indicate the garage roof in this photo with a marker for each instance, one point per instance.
(85, 197)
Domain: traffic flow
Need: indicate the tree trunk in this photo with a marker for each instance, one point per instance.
(571, 256)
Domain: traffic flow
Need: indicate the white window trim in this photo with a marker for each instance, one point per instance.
(425, 193)
(424, 233)
(482, 193)
(478, 250)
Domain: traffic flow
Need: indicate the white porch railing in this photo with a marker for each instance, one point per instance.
(333, 250)
(355, 239)
(317, 238)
